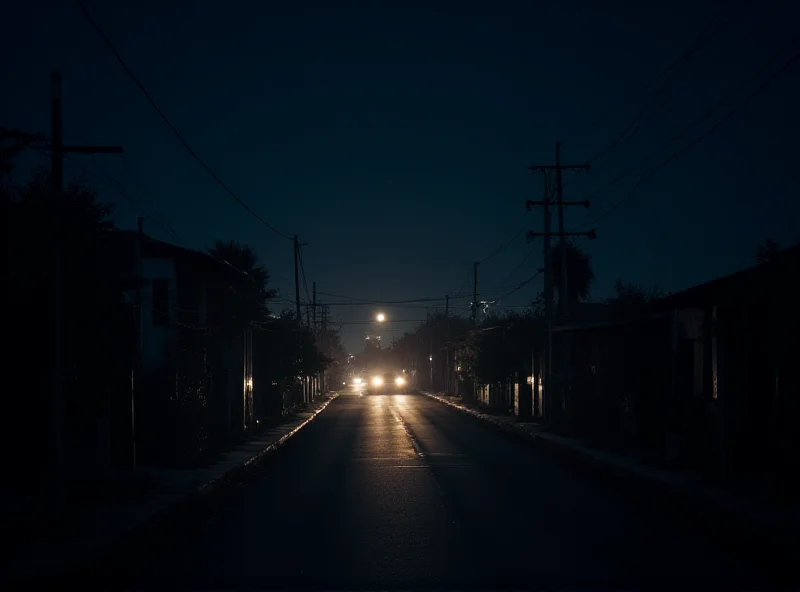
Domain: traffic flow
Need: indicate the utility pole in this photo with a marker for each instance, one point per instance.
(324, 331)
(447, 345)
(474, 293)
(136, 371)
(57, 151)
(548, 265)
(314, 304)
(562, 234)
(297, 280)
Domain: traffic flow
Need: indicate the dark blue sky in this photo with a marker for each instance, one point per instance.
(394, 138)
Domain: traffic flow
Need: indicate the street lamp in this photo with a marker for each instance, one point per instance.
(380, 317)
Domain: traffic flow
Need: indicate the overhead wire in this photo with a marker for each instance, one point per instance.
(649, 174)
(686, 129)
(105, 176)
(668, 73)
(144, 193)
(507, 243)
(635, 124)
(175, 131)
(520, 285)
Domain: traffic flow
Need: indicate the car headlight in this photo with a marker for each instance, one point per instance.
(377, 381)
(400, 380)
(357, 381)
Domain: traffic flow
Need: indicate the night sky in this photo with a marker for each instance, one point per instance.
(394, 138)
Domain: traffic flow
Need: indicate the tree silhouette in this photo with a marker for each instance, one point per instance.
(90, 289)
(250, 301)
(580, 274)
(503, 346)
(631, 299)
(767, 250)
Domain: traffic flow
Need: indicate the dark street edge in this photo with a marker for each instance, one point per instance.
(114, 565)
(777, 547)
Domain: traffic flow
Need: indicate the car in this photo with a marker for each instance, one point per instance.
(386, 383)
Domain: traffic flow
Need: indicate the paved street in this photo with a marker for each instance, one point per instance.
(405, 492)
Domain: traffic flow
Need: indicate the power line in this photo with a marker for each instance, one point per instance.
(388, 302)
(521, 285)
(144, 194)
(507, 243)
(175, 131)
(684, 131)
(649, 174)
(122, 190)
(634, 125)
(431, 301)
(710, 111)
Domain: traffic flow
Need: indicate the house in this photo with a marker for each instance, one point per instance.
(735, 360)
(699, 378)
(193, 383)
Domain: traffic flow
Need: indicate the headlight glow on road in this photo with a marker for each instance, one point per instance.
(377, 381)
(400, 380)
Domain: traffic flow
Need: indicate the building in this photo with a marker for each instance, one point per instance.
(699, 379)
(193, 380)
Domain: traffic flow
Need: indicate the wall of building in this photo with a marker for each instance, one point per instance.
(156, 339)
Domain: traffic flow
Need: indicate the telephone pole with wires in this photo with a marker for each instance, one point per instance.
(314, 305)
(548, 265)
(57, 151)
(297, 246)
(324, 323)
(562, 235)
(475, 292)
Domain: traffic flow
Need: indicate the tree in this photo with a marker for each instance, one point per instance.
(285, 352)
(631, 300)
(90, 298)
(580, 274)
(329, 343)
(766, 251)
(250, 301)
(12, 143)
(503, 346)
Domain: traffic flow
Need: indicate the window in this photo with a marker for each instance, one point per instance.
(160, 302)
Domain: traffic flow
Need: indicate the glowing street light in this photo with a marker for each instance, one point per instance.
(380, 317)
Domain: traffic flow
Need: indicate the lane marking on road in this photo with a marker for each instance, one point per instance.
(414, 442)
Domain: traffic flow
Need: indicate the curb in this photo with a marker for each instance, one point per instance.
(739, 529)
(108, 560)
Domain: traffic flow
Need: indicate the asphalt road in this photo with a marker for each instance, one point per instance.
(404, 492)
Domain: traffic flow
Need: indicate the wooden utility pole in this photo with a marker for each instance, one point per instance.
(314, 305)
(548, 265)
(562, 234)
(57, 151)
(323, 334)
(138, 331)
(447, 345)
(475, 292)
(297, 280)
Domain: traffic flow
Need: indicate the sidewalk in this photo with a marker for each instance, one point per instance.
(747, 517)
(107, 526)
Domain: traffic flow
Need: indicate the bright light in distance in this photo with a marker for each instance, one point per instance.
(377, 381)
(380, 317)
(357, 381)
(430, 358)
(400, 380)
